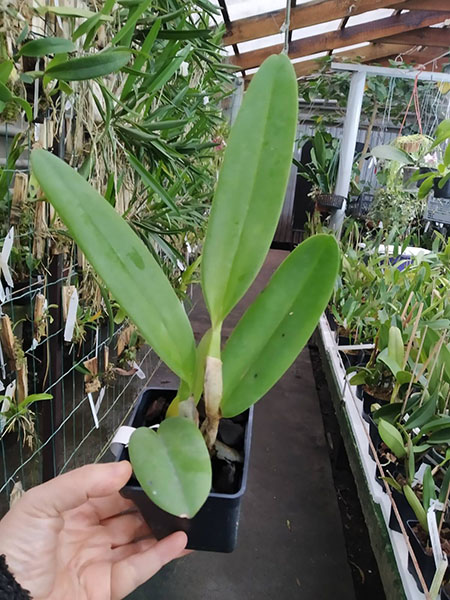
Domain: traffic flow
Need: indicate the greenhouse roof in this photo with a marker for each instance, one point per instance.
(370, 31)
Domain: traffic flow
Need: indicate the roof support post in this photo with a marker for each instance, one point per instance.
(348, 145)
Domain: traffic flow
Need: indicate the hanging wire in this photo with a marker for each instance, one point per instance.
(286, 27)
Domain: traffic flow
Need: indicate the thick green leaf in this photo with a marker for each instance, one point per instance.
(392, 438)
(166, 72)
(122, 260)
(149, 181)
(251, 186)
(388, 412)
(45, 46)
(441, 436)
(278, 324)
(5, 70)
(5, 93)
(34, 398)
(173, 466)
(391, 153)
(422, 415)
(426, 185)
(442, 133)
(91, 66)
(429, 488)
(183, 34)
(26, 106)
(416, 505)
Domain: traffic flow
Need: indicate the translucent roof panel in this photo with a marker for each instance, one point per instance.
(239, 9)
(263, 42)
(371, 15)
(304, 32)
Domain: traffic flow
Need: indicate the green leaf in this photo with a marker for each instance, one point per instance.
(5, 93)
(393, 483)
(441, 134)
(34, 398)
(396, 348)
(388, 412)
(447, 156)
(86, 26)
(359, 378)
(441, 436)
(278, 324)
(91, 66)
(122, 260)
(45, 46)
(392, 438)
(251, 186)
(149, 181)
(444, 485)
(429, 488)
(5, 70)
(183, 34)
(391, 153)
(426, 185)
(422, 415)
(131, 22)
(26, 106)
(141, 59)
(417, 507)
(172, 466)
(387, 359)
(69, 11)
(163, 76)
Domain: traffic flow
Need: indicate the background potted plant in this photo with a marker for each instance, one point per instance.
(173, 466)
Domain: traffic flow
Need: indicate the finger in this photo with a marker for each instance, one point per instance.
(125, 529)
(111, 506)
(122, 552)
(72, 489)
(133, 571)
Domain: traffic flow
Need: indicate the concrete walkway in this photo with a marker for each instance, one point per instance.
(291, 544)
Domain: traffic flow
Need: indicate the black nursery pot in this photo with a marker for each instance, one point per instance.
(405, 510)
(215, 527)
(441, 192)
(425, 561)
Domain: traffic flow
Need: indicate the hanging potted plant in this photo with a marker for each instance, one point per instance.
(173, 464)
(322, 170)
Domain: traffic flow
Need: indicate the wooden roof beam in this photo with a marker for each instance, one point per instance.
(422, 37)
(332, 40)
(304, 15)
(426, 5)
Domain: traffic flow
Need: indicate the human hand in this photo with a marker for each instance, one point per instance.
(67, 538)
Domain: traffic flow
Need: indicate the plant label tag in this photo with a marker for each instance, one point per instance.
(2, 294)
(438, 555)
(139, 372)
(71, 316)
(5, 406)
(418, 476)
(4, 257)
(2, 386)
(121, 439)
(34, 345)
(2, 363)
(101, 395)
(93, 411)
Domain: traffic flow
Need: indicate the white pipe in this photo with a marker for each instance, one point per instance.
(391, 72)
(348, 144)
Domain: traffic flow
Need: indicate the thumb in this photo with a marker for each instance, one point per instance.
(72, 489)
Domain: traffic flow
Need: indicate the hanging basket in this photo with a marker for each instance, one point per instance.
(330, 200)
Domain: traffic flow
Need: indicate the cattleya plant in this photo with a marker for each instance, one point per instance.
(173, 465)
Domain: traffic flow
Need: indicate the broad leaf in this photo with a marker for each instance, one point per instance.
(34, 398)
(422, 415)
(429, 488)
(122, 260)
(91, 66)
(391, 153)
(442, 133)
(416, 505)
(45, 46)
(392, 438)
(5, 93)
(251, 186)
(173, 466)
(278, 324)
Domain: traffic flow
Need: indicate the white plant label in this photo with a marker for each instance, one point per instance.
(10, 391)
(71, 316)
(2, 294)
(434, 533)
(101, 395)
(139, 372)
(93, 411)
(2, 363)
(4, 257)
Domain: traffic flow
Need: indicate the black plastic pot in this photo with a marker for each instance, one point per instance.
(215, 527)
(330, 200)
(405, 510)
(441, 193)
(425, 561)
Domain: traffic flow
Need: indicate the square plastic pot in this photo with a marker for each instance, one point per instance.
(215, 527)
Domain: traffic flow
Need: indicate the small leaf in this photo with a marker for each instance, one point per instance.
(441, 436)
(149, 181)
(34, 398)
(45, 46)
(69, 11)
(392, 438)
(173, 466)
(417, 507)
(429, 488)
(393, 483)
(422, 415)
(91, 66)
(5, 70)
(5, 94)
